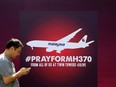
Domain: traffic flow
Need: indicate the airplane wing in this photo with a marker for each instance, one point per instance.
(70, 36)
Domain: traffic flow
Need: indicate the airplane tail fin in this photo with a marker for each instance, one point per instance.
(84, 39)
(83, 42)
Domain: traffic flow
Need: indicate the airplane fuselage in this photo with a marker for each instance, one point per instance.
(53, 44)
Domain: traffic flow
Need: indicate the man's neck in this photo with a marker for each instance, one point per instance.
(7, 54)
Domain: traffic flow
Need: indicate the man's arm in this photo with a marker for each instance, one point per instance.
(21, 72)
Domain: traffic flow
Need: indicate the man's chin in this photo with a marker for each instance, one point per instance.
(13, 57)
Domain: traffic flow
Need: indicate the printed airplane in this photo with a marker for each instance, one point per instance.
(61, 44)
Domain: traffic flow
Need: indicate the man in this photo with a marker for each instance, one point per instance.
(8, 76)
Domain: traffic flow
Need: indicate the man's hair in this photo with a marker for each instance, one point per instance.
(16, 43)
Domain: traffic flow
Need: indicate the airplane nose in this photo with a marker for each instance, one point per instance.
(27, 43)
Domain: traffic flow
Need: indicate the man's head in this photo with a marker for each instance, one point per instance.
(14, 47)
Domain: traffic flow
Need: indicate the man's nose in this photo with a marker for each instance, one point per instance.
(18, 54)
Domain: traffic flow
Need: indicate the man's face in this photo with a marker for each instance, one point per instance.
(16, 52)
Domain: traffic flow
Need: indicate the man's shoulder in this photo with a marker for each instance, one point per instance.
(2, 58)
(3, 62)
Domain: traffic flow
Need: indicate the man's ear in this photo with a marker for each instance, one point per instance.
(12, 48)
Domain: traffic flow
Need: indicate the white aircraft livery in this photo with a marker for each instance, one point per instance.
(61, 44)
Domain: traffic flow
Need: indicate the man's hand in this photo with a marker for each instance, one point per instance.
(24, 71)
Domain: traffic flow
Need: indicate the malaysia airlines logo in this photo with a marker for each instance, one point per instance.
(61, 44)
